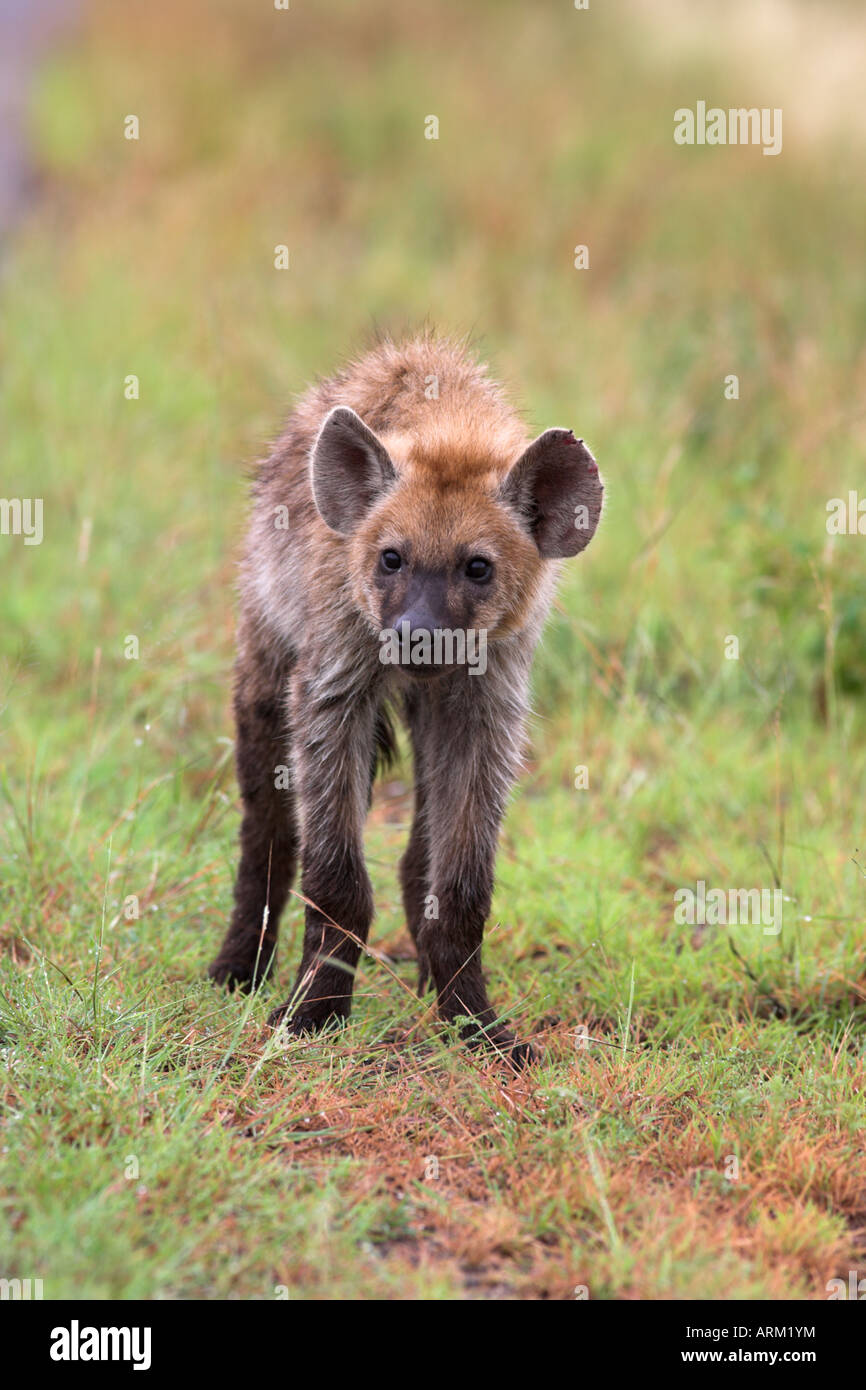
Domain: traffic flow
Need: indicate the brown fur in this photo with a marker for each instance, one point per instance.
(440, 482)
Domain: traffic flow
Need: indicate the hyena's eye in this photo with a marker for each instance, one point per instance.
(390, 561)
(478, 569)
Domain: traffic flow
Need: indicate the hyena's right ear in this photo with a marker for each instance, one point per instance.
(350, 468)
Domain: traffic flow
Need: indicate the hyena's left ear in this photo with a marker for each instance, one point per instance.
(556, 490)
(350, 468)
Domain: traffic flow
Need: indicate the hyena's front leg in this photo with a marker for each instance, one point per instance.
(467, 784)
(334, 741)
(268, 837)
(415, 863)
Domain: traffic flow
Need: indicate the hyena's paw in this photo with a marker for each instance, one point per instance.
(501, 1041)
(522, 1054)
(299, 1022)
(241, 975)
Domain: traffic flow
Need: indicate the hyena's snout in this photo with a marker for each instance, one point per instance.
(425, 639)
(424, 651)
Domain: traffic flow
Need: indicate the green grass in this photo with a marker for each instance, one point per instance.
(157, 1141)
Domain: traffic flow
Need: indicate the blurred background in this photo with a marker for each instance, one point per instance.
(306, 128)
(155, 258)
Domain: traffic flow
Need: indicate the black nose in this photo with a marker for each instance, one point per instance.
(419, 618)
(415, 629)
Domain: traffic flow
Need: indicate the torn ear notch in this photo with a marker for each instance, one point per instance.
(556, 490)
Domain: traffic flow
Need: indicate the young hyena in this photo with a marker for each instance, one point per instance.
(403, 527)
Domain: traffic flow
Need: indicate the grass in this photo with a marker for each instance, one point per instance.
(157, 1141)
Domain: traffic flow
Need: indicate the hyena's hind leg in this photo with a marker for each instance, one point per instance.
(415, 863)
(269, 834)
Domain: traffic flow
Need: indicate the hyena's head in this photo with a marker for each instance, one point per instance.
(451, 542)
